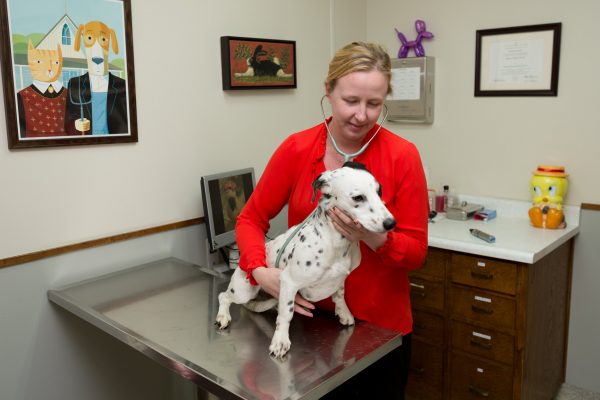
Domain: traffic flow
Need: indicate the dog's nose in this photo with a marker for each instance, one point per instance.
(389, 224)
(97, 60)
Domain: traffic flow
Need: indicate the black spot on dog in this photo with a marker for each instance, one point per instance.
(302, 238)
(231, 290)
(320, 251)
(290, 303)
(291, 309)
(308, 263)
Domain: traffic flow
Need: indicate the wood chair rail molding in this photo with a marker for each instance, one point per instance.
(38, 255)
(589, 206)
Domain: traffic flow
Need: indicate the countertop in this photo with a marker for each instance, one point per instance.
(166, 310)
(516, 239)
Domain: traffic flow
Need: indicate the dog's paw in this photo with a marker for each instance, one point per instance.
(222, 321)
(346, 319)
(280, 345)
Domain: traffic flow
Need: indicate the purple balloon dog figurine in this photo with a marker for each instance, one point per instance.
(415, 44)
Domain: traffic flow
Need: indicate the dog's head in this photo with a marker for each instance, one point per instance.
(355, 191)
(97, 37)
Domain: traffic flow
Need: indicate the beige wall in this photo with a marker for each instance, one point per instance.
(489, 146)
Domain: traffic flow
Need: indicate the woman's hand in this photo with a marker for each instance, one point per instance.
(268, 279)
(354, 231)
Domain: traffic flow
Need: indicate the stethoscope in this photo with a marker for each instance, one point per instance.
(349, 157)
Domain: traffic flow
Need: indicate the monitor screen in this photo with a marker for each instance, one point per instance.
(223, 197)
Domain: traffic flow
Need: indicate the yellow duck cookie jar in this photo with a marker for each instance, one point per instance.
(548, 188)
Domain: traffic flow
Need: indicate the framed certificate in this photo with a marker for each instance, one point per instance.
(518, 61)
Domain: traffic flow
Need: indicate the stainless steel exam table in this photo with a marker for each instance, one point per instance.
(166, 310)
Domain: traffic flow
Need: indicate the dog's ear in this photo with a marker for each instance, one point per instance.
(76, 46)
(113, 39)
(320, 183)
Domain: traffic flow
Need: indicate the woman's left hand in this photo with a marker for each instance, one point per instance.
(353, 230)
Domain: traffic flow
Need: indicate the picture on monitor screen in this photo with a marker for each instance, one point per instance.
(223, 197)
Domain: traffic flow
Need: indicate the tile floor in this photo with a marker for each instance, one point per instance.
(570, 392)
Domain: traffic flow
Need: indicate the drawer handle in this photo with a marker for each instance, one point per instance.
(478, 392)
(417, 290)
(481, 310)
(481, 344)
(417, 370)
(482, 275)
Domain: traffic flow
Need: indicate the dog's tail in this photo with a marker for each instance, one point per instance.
(261, 305)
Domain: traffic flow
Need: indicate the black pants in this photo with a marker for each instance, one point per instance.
(385, 379)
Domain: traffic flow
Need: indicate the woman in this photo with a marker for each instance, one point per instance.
(377, 291)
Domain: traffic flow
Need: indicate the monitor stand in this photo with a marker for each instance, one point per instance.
(213, 259)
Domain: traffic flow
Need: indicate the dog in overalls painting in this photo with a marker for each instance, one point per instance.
(314, 257)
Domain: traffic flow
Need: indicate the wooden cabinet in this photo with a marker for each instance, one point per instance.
(486, 328)
(428, 298)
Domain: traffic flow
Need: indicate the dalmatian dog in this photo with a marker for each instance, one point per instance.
(314, 257)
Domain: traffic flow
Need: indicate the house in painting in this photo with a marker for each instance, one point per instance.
(63, 32)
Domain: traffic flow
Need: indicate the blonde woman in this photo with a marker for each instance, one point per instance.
(377, 291)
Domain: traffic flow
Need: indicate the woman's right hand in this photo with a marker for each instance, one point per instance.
(268, 279)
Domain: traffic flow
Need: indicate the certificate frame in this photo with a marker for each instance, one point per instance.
(518, 61)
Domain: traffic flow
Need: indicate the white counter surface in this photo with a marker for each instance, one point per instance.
(516, 239)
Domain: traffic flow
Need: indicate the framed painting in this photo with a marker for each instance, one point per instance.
(518, 61)
(250, 63)
(67, 71)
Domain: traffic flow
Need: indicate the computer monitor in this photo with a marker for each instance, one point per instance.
(223, 197)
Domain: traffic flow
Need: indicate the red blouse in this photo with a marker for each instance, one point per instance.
(378, 290)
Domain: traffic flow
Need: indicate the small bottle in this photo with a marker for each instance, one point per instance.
(439, 203)
(450, 200)
(431, 197)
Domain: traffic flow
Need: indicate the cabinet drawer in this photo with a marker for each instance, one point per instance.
(484, 273)
(481, 306)
(427, 293)
(428, 326)
(483, 342)
(473, 379)
(425, 377)
(434, 267)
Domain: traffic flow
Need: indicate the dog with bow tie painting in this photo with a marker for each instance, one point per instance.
(96, 100)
